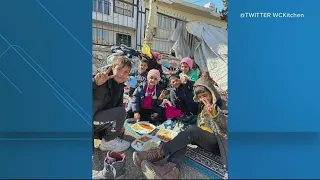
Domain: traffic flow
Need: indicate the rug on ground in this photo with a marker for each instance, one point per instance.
(205, 162)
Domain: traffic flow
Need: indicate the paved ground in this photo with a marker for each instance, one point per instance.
(134, 172)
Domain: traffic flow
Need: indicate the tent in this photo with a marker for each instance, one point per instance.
(207, 45)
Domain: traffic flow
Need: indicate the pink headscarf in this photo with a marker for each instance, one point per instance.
(154, 73)
(188, 61)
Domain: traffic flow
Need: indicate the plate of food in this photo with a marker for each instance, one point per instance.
(166, 135)
(143, 127)
(145, 142)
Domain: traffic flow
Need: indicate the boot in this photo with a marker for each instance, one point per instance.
(153, 171)
(114, 167)
(152, 155)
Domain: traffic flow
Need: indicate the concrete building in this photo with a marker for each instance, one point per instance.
(118, 22)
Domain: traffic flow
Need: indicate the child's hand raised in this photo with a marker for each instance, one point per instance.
(101, 78)
(171, 71)
(207, 104)
(208, 107)
(162, 95)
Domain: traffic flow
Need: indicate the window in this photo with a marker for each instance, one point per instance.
(94, 34)
(123, 8)
(94, 5)
(159, 21)
(100, 7)
(99, 39)
(106, 7)
(123, 39)
(165, 26)
(165, 22)
(104, 36)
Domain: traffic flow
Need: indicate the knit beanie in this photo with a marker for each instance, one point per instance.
(155, 73)
(188, 61)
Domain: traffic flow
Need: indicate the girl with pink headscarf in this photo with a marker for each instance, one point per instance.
(188, 73)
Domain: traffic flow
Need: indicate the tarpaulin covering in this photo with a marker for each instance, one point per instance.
(207, 45)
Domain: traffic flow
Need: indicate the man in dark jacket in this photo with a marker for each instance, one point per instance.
(108, 111)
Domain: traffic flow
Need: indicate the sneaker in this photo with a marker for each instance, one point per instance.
(165, 171)
(152, 155)
(116, 145)
(114, 167)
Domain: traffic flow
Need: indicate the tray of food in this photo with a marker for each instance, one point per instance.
(166, 135)
(143, 127)
(145, 142)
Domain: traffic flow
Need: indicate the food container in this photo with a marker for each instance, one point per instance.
(166, 135)
(145, 142)
(143, 127)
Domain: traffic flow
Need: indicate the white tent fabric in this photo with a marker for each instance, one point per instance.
(208, 45)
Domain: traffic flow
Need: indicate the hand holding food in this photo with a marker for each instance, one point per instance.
(137, 116)
(184, 79)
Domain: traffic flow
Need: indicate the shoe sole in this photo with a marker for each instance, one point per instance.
(147, 172)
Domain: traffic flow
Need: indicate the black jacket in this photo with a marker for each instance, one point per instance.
(107, 96)
(182, 98)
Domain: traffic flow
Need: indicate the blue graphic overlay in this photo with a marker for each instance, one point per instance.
(274, 91)
(273, 71)
(45, 78)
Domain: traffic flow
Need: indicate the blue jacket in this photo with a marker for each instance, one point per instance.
(139, 96)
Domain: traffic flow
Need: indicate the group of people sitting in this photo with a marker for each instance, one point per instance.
(194, 101)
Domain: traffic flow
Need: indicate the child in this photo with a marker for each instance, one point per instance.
(210, 134)
(142, 72)
(141, 75)
(108, 111)
(181, 95)
(146, 100)
(223, 94)
(186, 66)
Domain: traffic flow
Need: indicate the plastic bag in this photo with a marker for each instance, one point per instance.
(146, 50)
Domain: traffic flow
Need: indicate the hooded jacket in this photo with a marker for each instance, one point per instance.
(218, 124)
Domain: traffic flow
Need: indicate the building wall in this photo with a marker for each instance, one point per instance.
(106, 19)
(116, 19)
(110, 22)
(160, 41)
(111, 31)
(189, 16)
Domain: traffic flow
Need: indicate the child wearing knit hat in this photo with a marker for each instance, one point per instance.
(147, 98)
(188, 73)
